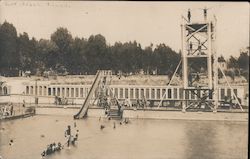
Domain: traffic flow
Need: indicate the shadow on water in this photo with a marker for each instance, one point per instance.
(200, 137)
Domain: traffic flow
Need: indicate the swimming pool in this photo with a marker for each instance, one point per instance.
(140, 139)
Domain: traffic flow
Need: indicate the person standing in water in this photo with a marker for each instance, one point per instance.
(189, 15)
(23, 103)
(74, 139)
(11, 142)
(68, 135)
(205, 13)
(11, 109)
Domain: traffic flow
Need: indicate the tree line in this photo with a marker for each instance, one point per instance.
(65, 53)
(62, 52)
(238, 66)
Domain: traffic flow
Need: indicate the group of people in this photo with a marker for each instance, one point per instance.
(231, 102)
(140, 103)
(61, 101)
(51, 148)
(204, 14)
(71, 140)
(7, 110)
(125, 121)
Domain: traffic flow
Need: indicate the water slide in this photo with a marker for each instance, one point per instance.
(83, 111)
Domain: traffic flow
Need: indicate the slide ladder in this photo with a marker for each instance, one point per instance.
(83, 111)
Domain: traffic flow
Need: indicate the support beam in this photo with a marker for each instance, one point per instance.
(162, 97)
(197, 31)
(209, 59)
(215, 69)
(184, 55)
(236, 98)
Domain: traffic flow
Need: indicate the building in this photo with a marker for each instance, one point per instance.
(76, 89)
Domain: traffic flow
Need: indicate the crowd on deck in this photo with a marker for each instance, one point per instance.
(9, 110)
(6, 110)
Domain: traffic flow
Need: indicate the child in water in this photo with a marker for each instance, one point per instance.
(68, 135)
(102, 127)
(11, 142)
(74, 139)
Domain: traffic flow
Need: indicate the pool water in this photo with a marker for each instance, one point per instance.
(139, 139)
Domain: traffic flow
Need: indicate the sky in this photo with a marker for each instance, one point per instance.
(145, 22)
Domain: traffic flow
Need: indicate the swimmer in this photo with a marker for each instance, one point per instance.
(59, 146)
(50, 149)
(120, 123)
(102, 127)
(43, 154)
(11, 142)
(54, 147)
(126, 121)
(68, 141)
(73, 140)
(42, 135)
(68, 131)
(77, 132)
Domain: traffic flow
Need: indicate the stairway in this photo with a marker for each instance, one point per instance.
(114, 114)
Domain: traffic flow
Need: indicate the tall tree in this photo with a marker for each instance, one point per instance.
(78, 61)
(96, 53)
(26, 50)
(167, 59)
(243, 61)
(233, 63)
(147, 59)
(63, 39)
(47, 52)
(9, 58)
